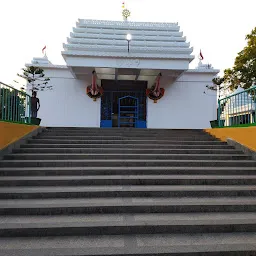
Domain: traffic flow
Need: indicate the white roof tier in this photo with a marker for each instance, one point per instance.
(123, 48)
(133, 31)
(140, 37)
(108, 38)
(118, 42)
(127, 25)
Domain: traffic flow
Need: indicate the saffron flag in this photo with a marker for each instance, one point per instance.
(43, 49)
(201, 57)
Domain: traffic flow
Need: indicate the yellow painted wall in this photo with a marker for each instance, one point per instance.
(245, 136)
(10, 132)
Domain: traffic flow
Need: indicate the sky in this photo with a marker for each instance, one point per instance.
(217, 27)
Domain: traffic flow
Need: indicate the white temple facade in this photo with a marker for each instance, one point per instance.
(105, 85)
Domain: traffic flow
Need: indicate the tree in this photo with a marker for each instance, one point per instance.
(243, 72)
(35, 78)
(217, 82)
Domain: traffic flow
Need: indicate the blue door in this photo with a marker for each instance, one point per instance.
(106, 110)
(114, 105)
(128, 111)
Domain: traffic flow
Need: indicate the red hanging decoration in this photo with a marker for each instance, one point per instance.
(94, 91)
(156, 93)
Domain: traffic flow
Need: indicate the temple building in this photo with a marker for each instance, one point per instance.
(127, 74)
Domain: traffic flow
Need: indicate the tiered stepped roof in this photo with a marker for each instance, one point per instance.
(108, 38)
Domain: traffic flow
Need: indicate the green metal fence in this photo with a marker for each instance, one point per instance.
(238, 109)
(14, 105)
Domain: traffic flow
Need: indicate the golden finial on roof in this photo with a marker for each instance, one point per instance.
(126, 13)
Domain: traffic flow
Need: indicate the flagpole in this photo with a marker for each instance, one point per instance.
(44, 51)
(200, 57)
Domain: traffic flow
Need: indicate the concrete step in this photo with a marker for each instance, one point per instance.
(125, 151)
(127, 146)
(125, 134)
(214, 244)
(125, 170)
(126, 205)
(128, 191)
(115, 137)
(96, 180)
(124, 142)
(123, 224)
(119, 129)
(109, 156)
(127, 163)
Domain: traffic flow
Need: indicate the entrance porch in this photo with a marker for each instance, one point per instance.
(124, 102)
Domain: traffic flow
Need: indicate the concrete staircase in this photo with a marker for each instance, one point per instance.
(123, 192)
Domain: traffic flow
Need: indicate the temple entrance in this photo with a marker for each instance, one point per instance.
(123, 104)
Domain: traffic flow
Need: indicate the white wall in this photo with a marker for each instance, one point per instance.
(184, 105)
(67, 104)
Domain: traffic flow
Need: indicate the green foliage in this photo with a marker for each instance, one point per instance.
(243, 72)
(217, 82)
(36, 80)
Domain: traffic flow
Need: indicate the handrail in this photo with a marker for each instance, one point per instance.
(238, 109)
(15, 105)
(13, 88)
(234, 94)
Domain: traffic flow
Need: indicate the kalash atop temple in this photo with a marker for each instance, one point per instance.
(126, 74)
